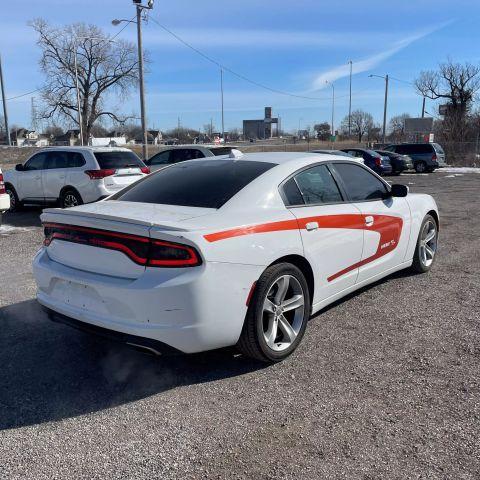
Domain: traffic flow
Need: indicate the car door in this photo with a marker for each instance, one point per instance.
(54, 173)
(386, 220)
(332, 243)
(30, 186)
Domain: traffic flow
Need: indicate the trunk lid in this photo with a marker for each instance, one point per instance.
(124, 218)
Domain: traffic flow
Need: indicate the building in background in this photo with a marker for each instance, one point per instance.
(261, 129)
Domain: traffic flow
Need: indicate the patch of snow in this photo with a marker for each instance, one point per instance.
(458, 170)
(8, 229)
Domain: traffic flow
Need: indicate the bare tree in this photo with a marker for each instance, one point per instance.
(457, 85)
(103, 68)
(361, 124)
(396, 126)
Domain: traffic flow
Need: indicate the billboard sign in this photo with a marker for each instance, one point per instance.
(419, 125)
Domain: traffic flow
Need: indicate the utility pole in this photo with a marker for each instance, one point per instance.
(223, 118)
(139, 8)
(350, 103)
(423, 108)
(4, 100)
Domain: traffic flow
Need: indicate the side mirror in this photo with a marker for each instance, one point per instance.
(398, 190)
(19, 167)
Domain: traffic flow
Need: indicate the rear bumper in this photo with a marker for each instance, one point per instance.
(190, 310)
(4, 202)
(154, 346)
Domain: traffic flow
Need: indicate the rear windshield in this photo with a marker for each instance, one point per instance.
(221, 151)
(199, 183)
(117, 159)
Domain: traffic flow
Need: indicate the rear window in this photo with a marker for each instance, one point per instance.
(221, 151)
(117, 159)
(200, 183)
(414, 149)
(438, 148)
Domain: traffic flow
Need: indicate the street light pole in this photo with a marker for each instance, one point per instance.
(333, 108)
(5, 116)
(221, 88)
(384, 105)
(385, 110)
(350, 103)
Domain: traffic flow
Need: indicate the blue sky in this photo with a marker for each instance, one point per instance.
(293, 46)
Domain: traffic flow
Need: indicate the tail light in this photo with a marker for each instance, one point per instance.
(2, 185)
(141, 250)
(145, 170)
(378, 161)
(102, 173)
(434, 157)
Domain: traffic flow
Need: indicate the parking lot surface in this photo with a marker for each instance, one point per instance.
(386, 383)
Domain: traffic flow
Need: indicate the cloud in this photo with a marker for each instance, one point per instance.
(371, 62)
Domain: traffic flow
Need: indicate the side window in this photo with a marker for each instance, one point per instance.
(317, 185)
(37, 162)
(360, 184)
(404, 149)
(162, 158)
(75, 160)
(56, 160)
(178, 155)
(292, 193)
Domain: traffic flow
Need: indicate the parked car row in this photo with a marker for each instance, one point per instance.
(396, 158)
(71, 176)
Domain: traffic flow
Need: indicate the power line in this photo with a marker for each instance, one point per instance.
(123, 28)
(233, 72)
(23, 94)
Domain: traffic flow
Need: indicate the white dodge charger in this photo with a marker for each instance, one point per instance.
(217, 252)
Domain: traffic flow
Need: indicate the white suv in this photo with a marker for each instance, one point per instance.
(71, 176)
(4, 198)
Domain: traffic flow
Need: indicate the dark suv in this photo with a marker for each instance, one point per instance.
(426, 157)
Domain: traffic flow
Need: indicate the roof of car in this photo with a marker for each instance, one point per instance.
(287, 157)
(86, 148)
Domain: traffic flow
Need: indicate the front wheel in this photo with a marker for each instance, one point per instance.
(427, 243)
(277, 315)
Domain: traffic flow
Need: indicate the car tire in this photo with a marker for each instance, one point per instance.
(425, 251)
(271, 332)
(70, 198)
(15, 204)
(420, 167)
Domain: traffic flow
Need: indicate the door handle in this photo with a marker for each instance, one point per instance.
(369, 221)
(38, 178)
(311, 226)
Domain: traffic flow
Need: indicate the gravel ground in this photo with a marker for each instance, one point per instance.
(386, 383)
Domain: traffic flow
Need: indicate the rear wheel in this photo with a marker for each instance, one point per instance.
(420, 167)
(15, 203)
(70, 198)
(277, 315)
(426, 249)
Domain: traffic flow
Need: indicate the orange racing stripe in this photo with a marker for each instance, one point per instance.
(389, 228)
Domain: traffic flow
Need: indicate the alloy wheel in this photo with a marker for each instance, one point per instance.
(283, 312)
(70, 200)
(428, 243)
